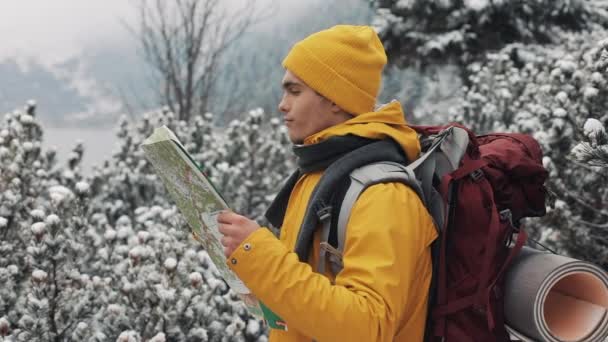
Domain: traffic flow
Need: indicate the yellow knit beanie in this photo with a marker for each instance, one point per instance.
(343, 63)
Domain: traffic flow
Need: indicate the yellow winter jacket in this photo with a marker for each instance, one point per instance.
(381, 294)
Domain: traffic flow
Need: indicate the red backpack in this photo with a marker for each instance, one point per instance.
(476, 188)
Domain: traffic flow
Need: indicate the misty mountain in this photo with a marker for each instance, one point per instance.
(92, 89)
(34, 81)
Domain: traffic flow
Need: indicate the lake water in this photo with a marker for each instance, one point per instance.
(98, 143)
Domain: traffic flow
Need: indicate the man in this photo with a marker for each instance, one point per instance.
(330, 86)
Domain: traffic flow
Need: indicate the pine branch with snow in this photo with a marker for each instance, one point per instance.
(593, 151)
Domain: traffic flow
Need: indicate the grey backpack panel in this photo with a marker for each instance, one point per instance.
(441, 157)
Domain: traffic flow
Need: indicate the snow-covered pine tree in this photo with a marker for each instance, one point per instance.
(559, 94)
(42, 301)
(23, 172)
(429, 32)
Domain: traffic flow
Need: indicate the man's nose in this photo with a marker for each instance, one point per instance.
(283, 108)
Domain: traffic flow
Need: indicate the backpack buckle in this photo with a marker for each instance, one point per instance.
(506, 215)
(476, 175)
(324, 213)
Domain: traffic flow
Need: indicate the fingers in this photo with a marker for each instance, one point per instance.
(224, 240)
(235, 229)
(229, 245)
(230, 217)
(224, 228)
(226, 216)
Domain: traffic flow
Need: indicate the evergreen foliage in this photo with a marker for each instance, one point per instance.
(107, 257)
(428, 32)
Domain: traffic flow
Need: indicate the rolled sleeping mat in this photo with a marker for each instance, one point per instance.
(549, 297)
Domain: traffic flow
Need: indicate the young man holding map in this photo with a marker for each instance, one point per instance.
(330, 86)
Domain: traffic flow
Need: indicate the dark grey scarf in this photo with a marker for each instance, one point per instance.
(338, 156)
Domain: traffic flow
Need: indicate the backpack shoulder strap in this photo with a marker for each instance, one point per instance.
(361, 178)
(442, 157)
(366, 176)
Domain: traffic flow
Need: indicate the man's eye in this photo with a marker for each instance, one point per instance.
(294, 91)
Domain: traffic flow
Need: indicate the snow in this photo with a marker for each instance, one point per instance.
(4, 323)
(68, 174)
(561, 97)
(124, 232)
(593, 127)
(170, 264)
(476, 5)
(143, 236)
(28, 146)
(12, 269)
(160, 337)
(82, 187)
(109, 234)
(37, 213)
(590, 93)
(253, 327)
(567, 65)
(138, 252)
(200, 333)
(52, 219)
(404, 4)
(60, 194)
(38, 228)
(128, 336)
(115, 309)
(195, 278)
(560, 113)
(39, 275)
(597, 77)
(26, 119)
(3, 222)
(165, 294)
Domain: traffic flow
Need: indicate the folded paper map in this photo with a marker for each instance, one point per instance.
(200, 203)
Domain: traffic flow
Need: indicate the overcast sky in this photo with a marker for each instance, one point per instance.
(53, 31)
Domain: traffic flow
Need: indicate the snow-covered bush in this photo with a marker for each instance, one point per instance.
(107, 257)
(559, 94)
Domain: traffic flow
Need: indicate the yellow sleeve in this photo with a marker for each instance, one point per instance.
(388, 231)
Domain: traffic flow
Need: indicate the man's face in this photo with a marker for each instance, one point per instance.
(305, 111)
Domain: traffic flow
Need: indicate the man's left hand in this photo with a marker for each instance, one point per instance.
(235, 228)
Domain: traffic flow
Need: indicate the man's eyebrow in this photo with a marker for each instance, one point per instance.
(288, 84)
